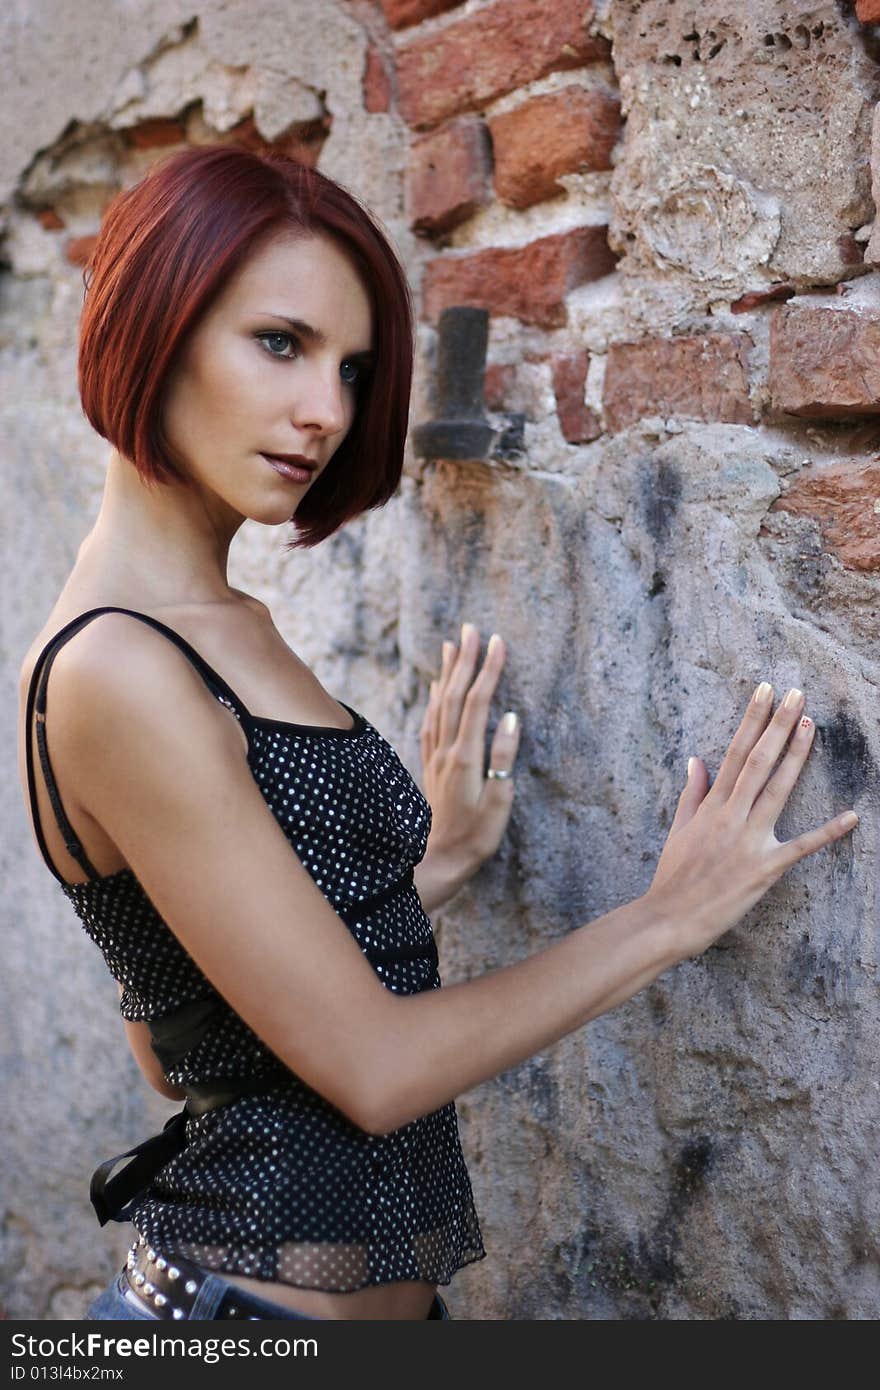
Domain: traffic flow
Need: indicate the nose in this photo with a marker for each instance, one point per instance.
(321, 405)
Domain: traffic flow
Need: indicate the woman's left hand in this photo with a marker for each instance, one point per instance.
(470, 811)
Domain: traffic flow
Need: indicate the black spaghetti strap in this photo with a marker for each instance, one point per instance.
(36, 708)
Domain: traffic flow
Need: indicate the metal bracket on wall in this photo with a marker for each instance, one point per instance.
(460, 429)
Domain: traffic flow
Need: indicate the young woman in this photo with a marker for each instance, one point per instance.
(249, 854)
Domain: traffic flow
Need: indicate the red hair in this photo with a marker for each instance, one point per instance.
(165, 250)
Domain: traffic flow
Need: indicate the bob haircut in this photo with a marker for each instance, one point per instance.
(166, 248)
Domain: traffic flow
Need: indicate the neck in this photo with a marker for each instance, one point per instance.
(168, 543)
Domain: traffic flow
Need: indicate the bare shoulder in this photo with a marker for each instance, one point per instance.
(120, 654)
(120, 684)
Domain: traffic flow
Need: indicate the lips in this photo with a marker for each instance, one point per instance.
(297, 460)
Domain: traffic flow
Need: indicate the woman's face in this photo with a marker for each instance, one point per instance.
(251, 383)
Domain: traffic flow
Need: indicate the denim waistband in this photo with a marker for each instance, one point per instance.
(218, 1299)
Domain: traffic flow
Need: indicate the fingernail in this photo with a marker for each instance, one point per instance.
(493, 642)
(849, 819)
(509, 722)
(792, 699)
(466, 630)
(763, 693)
(691, 762)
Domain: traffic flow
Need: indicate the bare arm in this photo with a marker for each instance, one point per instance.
(180, 801)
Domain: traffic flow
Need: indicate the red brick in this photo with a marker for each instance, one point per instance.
(561, 133)
(490, 52)
(868, 11)
(824, 362)
(399, 13)
(448, 176)
(498, 382)
(844, 498)
(153, 133)
(752, 299)
(49, 219)
(529, 283)
(79, 249)
(377, 84)
(302, 142)
(698, 378)
(579, 424)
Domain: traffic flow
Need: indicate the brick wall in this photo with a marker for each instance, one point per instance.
(509, 104)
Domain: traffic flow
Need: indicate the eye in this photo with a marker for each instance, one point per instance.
(270, 340)
(352, 373)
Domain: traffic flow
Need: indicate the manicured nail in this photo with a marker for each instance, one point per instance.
(691, 762)
(792, 699)
(509, 722)
(763, 693)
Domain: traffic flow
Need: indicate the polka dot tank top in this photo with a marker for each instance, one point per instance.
(271, 1180)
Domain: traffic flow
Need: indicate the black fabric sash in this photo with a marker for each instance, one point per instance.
(114, 1199)
(176, 1034)
(171, 1038)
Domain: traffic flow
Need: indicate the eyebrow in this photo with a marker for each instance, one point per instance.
(314, 335)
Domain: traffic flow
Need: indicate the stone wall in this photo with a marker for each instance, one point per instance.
(666, 210)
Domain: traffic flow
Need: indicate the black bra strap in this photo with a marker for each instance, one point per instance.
(36, 704)
(36, 708)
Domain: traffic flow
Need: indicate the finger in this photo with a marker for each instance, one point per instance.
(752, 726)
(438, 689)
(460, 678)
(763, 757)
(496, 802)
(777, 791)
(475, 710)
(693, 793)
(449, 653)
(505, 746)
(428, 730)
(792, 851)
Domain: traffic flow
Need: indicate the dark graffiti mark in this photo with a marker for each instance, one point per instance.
(848, 757)
(645, 1269)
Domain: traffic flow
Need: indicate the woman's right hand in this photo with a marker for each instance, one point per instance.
(721, 855)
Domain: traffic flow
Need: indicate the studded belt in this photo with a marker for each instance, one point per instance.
(168, 1287)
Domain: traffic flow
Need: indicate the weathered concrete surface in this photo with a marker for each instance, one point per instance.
(708, 1150)
(747, 148)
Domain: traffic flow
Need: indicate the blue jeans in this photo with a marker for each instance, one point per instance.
(117, 1303)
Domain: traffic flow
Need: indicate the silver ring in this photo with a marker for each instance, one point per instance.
(500, 773)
